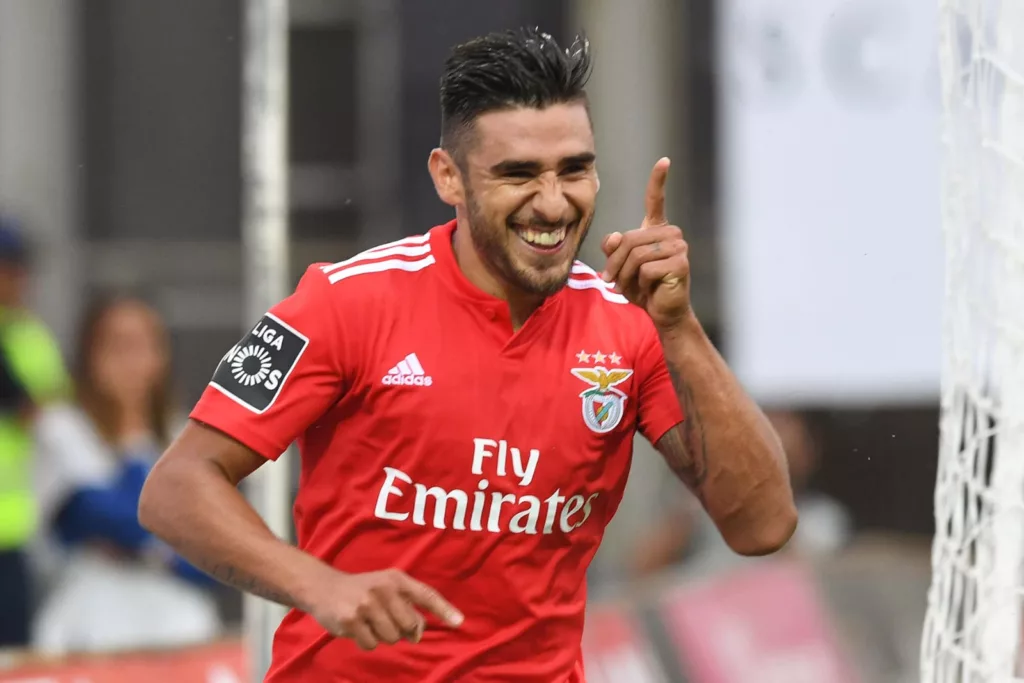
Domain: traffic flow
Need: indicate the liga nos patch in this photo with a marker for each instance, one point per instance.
(254, 370)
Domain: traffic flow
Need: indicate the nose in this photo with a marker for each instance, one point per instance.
(550, 203)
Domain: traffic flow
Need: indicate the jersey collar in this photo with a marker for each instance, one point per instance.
(448, 266)
(449, 270)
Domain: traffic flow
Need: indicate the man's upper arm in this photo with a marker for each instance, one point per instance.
(658, 407)
(283, 375)
(690, 467)
(661, 401)
(199, 443)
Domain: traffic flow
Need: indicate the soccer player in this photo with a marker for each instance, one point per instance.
(465, 403)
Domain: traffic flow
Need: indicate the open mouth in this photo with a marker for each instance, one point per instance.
(542, 240)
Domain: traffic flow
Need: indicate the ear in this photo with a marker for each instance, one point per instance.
(447, 177)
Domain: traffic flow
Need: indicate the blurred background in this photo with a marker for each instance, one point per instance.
(805, 147)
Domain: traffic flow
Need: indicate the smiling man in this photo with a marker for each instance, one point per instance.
(465, 403)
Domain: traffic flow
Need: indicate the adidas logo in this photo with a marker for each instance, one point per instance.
(408, 373)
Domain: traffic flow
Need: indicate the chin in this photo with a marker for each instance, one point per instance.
(544, 282)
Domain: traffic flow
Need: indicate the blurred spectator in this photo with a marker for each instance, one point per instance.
(116, 587)
(31, 373)
(686, 533)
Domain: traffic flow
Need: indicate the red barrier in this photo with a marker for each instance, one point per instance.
(217, 663)
(764, 623)
(615, 649)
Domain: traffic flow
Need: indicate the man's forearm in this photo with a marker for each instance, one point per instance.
(725, 450)
(208, 522)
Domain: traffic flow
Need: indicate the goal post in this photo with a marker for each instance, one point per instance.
(265, 254)
(972, 631)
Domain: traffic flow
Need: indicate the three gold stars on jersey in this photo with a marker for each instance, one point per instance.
(599, 358)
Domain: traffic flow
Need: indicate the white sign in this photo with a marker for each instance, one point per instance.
(832, 250)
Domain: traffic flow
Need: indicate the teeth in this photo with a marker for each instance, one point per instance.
(544, 239)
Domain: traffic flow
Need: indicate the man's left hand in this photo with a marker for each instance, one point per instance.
(650, 266)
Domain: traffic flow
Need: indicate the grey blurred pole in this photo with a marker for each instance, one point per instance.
(265, 243)
(39, 167)
(633, 104)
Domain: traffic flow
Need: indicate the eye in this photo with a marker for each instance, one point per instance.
(574, 169)
(519, 175)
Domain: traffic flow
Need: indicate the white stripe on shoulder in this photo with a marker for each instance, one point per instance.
(592, 280)
(410, 246)
(602, 289)
(581, 268)
(375, 260)
(380, 267)
(412, 239)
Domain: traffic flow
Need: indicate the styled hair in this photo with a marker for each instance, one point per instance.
(99, 407)
(508, 69)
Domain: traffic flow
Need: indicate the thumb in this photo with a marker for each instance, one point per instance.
(611, 242)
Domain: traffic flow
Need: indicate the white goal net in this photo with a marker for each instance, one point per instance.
(973, 631)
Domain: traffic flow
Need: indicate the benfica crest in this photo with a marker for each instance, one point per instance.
(603, 404)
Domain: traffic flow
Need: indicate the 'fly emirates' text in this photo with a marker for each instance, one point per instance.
(401, 499)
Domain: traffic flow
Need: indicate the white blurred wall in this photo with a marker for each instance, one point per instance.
(831, 248)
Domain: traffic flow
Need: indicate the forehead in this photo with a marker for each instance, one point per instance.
(528, 134)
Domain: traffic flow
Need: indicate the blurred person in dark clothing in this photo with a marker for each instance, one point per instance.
(31, 374)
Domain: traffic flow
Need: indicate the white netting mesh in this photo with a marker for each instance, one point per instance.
(973, 628)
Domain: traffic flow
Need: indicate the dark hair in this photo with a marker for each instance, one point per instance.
(523, 67)
(99, 407)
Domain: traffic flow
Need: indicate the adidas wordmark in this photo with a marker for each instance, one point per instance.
(408, 373)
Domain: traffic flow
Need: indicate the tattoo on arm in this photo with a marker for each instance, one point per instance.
(245, 582)
(684, 446)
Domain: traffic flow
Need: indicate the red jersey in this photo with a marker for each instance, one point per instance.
(483, 462)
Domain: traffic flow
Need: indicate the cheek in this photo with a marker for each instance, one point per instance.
(153, 365)
(502, 206)
(144, 362)
(109, 369)
(583, 194)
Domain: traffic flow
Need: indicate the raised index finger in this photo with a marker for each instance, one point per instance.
(429, 599)
(655, 199)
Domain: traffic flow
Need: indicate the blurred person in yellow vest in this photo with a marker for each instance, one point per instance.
(32, 373)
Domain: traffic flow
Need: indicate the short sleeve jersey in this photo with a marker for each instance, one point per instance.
(436, 440)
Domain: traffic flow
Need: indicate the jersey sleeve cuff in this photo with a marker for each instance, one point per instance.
(241, 433)
(660, 423)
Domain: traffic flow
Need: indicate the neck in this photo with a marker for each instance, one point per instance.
(134, 425)
(520, 304)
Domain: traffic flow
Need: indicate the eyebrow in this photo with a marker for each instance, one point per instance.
(514, 165)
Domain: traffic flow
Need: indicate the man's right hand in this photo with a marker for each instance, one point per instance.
(379, 607)
(204, 467)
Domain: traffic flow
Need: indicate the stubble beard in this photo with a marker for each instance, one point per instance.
(492, 243)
